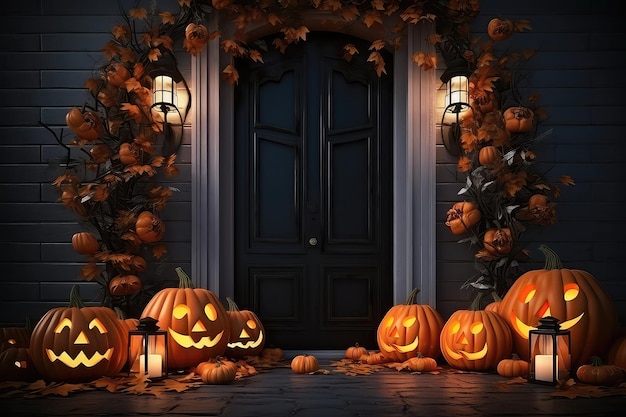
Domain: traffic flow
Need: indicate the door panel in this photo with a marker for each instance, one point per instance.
(313, 195)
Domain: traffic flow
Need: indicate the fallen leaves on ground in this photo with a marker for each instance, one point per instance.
(353, 368)
(573, 390)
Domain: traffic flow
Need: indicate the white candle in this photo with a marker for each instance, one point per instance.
(543, 367)
(155, 368)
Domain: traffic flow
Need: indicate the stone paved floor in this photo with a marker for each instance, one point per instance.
(280, 392)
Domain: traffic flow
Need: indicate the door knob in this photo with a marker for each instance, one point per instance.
(312, 241)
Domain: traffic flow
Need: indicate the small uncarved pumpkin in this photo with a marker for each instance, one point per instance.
(355, 352)
(420, 363)
(272, 354)
(462, 216)
(196, 36)
(149, 227)
(596, 373)
(85, 243)
(489, 155)
(498, 242)
(513, 367)
(304, 364)
(219, 373)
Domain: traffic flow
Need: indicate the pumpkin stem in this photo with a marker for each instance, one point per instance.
(232, 306)
(552, 259)
(412, 298)
(184, 280)
(75, 300)
(596, 361)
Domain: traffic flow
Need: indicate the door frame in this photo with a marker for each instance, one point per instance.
(212, 168)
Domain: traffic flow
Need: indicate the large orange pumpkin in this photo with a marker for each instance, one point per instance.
(196, 322)
(247, 335)
(462, 216)
(475, 340)
(573, 296)
(78, 343)
(409, 328)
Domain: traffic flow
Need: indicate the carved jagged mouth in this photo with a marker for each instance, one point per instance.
(80, 359)
(470, 356)
(523, 329)
(187, 342)
(248, 345)
(400, 348)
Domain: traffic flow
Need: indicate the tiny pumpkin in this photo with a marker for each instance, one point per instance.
(218, 373)
(500, 29)
(86, 125)
(355, 352)
(513, 367)
(125, 285)
(304, 364)
(489, 155)
(462, 216)
(518, 119)
(596, 373)
(420, 363)
(196, 36)
(149, 227)
(85, 243)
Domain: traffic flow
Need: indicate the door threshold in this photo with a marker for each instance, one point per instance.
(319, 354)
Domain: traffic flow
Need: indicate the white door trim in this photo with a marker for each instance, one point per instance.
(414, 173)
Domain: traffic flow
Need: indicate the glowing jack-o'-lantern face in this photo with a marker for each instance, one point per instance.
(79, 343)
(410, 328)
(195, 320)
(247, 335)
(475, 340)
(574, 297)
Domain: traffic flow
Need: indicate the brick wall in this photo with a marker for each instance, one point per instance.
(48, 48)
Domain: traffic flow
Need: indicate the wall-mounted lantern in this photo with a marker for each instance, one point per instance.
(457, 103)
(171, 98)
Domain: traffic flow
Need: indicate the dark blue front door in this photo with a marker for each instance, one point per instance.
(313, 194)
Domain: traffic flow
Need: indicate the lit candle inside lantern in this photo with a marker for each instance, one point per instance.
(155, 368)
(543, 367)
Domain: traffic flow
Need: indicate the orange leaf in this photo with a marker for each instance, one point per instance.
(121, 31)
(371, 17)
(90, 271)
(350, 13)
(110, 384)
(154, 54)
(167, 18)
(132, 84)
(379, 63)
(231, 75)
(139, 13)
(133, 111)
(377, 45)
(521, 25)
(567, 180)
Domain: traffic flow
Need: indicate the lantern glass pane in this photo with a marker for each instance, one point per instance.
(147, 353)
(457, 92)
(550, 358)
(164, 90)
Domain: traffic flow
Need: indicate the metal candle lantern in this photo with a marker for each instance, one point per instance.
(549, 347)
(147, 349)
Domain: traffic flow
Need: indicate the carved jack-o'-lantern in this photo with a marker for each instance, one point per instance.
(16, 365)
(408, 329)
(14, 337)
(247, 335)
(475, 340)
(195, 320)
(78, 343)
(573, 296)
